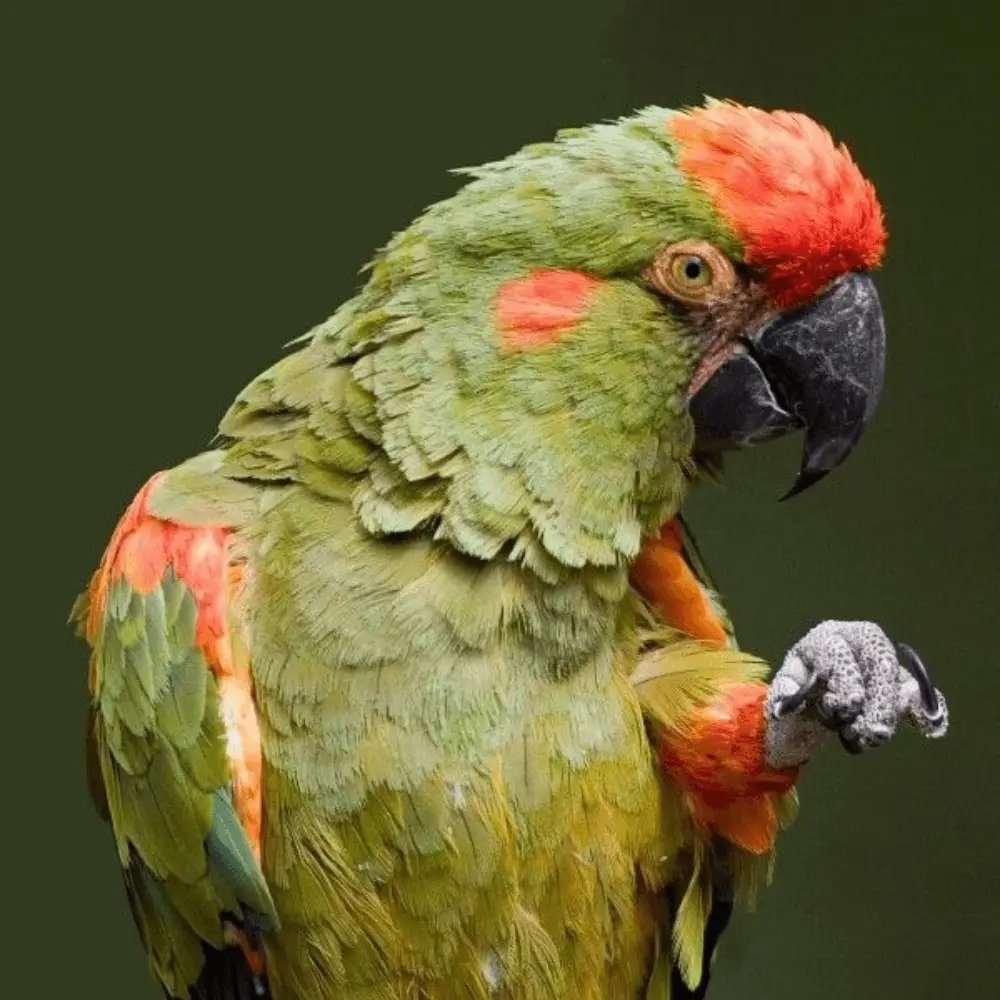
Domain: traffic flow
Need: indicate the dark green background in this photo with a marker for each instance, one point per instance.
(189, 186)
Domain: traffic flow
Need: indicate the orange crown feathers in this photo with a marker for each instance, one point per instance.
(804, 211)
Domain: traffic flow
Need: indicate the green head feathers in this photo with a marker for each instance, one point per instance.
(511, 375)
(544, 413)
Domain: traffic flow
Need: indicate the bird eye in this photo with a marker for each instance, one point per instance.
(692, 272)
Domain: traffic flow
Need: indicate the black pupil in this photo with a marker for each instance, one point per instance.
(692, 269)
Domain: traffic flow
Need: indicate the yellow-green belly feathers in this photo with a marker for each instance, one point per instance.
(460, 792)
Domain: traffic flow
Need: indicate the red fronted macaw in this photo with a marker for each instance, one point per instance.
(410, 688)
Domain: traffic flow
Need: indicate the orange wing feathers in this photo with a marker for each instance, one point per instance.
(717, 753)
(661, 574)
(717, 756)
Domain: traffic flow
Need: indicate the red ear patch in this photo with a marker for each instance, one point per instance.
(540, 308)
(803, 210)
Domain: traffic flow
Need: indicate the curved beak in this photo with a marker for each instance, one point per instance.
(819, 368)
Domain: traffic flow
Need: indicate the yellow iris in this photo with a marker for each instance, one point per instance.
(690, 271)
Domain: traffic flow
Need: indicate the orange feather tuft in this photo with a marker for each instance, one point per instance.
(717, 754)
(718, 758)
(661, 574)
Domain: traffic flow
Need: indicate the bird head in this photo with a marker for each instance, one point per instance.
(797, 339)
(548, 353)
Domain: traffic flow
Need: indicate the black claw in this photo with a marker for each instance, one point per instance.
(839, 716)
(826, 716)
(791, 702)
(915, 667)
(851, 744)
(846, 714)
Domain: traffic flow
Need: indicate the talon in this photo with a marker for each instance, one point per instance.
(828, 716)
(790, 703)
(841, 714)
(915, 667)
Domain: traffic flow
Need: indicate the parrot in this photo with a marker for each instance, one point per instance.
(413, 685)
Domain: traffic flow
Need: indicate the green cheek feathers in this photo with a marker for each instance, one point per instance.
(537, 310)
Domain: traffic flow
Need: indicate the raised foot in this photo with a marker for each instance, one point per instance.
(848, 677)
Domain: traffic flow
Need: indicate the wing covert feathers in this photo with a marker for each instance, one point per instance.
(174, 737)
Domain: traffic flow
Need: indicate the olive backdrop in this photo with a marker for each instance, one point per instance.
(189, 186)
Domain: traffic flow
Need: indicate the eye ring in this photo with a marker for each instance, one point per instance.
(692, 271)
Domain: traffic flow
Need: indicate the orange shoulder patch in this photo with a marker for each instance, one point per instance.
(141, 550)
(661, 574)
(717, 754)
(718, 757)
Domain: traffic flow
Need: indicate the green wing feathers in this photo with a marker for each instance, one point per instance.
(158, 756)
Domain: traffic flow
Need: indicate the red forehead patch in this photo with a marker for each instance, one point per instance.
(798, 201)
(539, 308)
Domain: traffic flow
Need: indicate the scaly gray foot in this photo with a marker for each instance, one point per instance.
(850, 678)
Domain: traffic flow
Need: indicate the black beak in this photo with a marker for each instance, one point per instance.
(819, 368)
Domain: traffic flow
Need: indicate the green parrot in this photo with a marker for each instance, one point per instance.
(414, 688)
